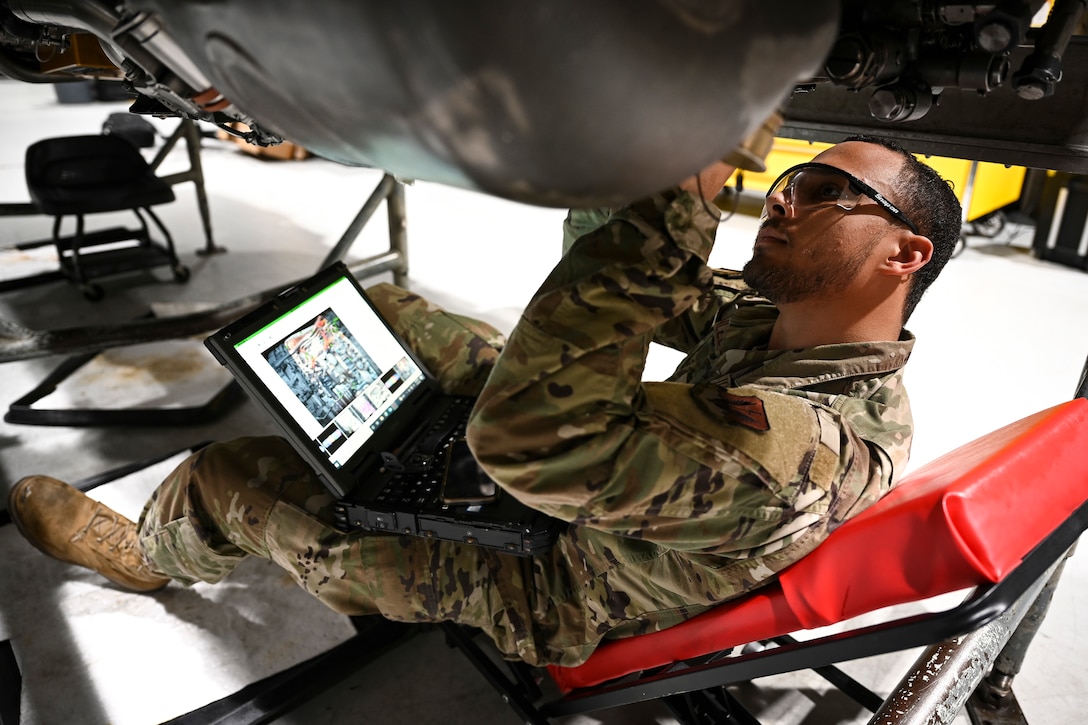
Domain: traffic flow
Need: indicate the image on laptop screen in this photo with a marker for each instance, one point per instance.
(334, 366)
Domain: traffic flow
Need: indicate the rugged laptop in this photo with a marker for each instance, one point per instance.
(372, 422)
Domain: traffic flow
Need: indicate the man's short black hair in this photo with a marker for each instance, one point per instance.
(930, 202)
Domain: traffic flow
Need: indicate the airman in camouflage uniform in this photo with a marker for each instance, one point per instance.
(679, 494)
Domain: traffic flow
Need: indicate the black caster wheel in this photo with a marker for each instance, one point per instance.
(990, 225)
(181, 273)
(92, 292)
(961, 244)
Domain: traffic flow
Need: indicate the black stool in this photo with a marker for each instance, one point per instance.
(79, 175)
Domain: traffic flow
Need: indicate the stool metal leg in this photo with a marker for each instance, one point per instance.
(179, 270)
(90, 290)
(144, 235)
(56, 230)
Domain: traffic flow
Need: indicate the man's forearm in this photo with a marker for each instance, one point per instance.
(570, 375)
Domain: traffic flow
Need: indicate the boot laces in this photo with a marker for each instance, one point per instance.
(107, 528)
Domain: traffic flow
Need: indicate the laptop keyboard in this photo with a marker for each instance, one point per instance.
(419, 482)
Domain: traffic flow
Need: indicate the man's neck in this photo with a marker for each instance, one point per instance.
(805, 325)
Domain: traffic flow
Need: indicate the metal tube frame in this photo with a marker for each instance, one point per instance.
(1082, 386)
(945, 675)
(993, 701)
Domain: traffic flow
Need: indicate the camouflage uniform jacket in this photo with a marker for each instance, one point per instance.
(684, 493)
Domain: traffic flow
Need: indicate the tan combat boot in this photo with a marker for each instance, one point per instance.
(66, 524)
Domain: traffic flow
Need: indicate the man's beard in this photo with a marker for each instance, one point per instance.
(783, 285)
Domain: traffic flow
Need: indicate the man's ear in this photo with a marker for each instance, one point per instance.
(912, 253)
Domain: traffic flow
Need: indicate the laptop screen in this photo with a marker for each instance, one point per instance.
(334, 367)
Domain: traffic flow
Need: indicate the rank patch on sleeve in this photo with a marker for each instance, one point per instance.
(744, 410)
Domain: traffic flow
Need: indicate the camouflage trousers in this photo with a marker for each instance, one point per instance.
(256, 496)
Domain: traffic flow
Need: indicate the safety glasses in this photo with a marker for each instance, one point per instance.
(814, 185)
